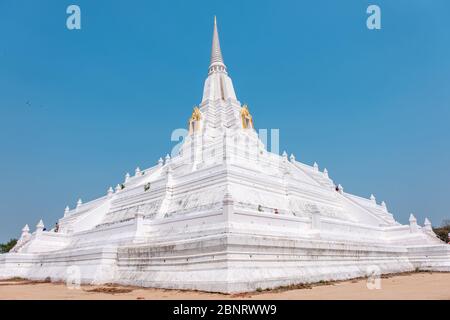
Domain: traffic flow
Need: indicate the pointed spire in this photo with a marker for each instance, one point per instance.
(412, 223)
(325, 172)
(316, 166)
(216, 53)
(427, 225)
(372, 198)
(40, 226)
(26, 229)
(383, 204)
(160, 162)
(137, 172)
(79, 202)
(292, 158)
(110, 191)
(66, 210)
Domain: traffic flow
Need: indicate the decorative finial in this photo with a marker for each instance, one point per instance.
(340, 189)
(427, 225)
(66, 210)
(110, 192)
(284, 155)
(383, 204)
(372, 198)
(137, 171)
(118, 187)
(25, 230)
(127, 177)
(167, 160)
(316, 166)
(292, 158)
(325, 172)
(40, 226)
(79, 202)
(160, 162)
(412, 223)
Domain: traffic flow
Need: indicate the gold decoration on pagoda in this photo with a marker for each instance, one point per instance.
(194, 120)
(246, 117)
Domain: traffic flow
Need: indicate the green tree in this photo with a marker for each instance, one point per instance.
(5, 247)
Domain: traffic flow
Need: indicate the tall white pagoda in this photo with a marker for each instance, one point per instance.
(225, 215)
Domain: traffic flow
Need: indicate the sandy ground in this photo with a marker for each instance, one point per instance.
(404, 286)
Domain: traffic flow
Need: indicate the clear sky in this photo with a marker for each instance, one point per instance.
(78, 109)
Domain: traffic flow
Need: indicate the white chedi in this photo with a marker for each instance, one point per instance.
(223, 196)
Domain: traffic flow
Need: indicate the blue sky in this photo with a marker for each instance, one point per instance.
(78, 109)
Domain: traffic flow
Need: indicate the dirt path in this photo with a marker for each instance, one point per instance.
(408, 286)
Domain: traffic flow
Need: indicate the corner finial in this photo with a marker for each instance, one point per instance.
(427, 225)
(25, 229)
(292, 158)
(412, 223)
(40, 226)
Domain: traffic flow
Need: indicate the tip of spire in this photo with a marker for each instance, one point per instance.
(216, 54)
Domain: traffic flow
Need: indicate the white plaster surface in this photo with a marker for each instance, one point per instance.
(224, 215)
